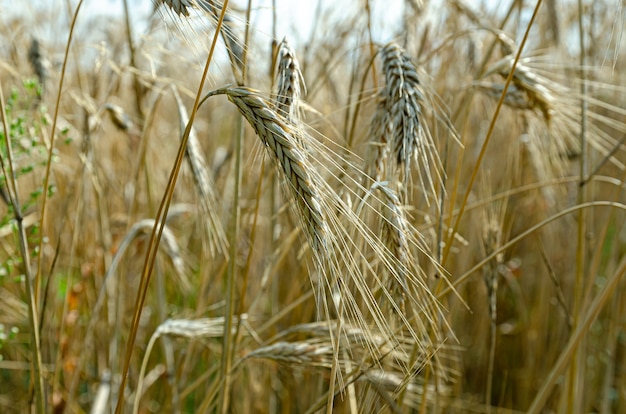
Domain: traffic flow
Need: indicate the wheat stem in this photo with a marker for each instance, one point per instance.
(568, 355)
(33, 313)
(490, 132)
(157, 231)
(577, 370)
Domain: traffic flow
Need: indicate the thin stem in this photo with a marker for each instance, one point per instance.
(570, 349)
(33, 318)
(229, 338)
(157, 230)
(490, 132)
(577, 368)
(463, 278)
(46, 181)
(131, 48)
(227, 352)
(335, 365)
(492, 288)
(463, 109)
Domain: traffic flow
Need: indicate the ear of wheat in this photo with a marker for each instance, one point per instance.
(301, 353)
(398, 130)
(553, 118)
(536, 90)
(278, 138)
(170, 246)
(234, 45)
(180, 7)
(290, 83)
(353, 287)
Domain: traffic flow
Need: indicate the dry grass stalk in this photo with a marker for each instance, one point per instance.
(203, 181)
(279, 139)
(399, 132)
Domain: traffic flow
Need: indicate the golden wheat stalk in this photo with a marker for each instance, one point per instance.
(399, 132)
(290, 83)
(348, 285)
(278, 137)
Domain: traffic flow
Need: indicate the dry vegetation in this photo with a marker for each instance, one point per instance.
(418, 213)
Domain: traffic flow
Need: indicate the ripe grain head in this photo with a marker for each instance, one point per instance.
(399, 132)
(180, 7)
(277, 136)
(357, 268)
(290, 83)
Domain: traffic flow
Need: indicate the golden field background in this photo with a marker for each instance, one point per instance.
(507, 297)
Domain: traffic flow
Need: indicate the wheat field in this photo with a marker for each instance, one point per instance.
(405, 207)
